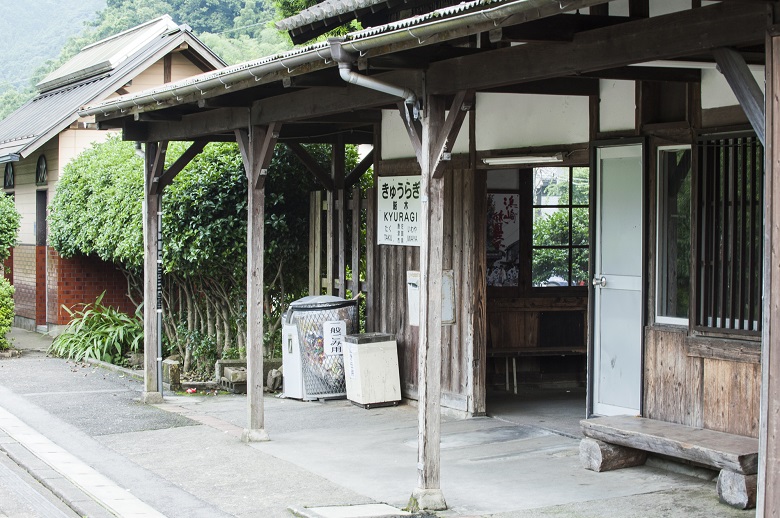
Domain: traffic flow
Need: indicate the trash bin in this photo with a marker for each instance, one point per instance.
(371, 367)
(312, 349)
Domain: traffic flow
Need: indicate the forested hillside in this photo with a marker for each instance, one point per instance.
(32, 33)
(237, 30)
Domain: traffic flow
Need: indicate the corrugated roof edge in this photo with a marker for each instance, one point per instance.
(427, 25)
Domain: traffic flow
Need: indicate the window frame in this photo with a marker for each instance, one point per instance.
(660, 249)
(695, 328)
(570, 247)
(9, 167)
(41, 171)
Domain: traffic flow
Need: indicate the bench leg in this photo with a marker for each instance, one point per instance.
(737, 490)
(596, 455)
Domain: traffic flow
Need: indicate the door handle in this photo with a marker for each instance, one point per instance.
(599, 281)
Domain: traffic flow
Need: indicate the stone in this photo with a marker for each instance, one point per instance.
(599, 456)
(737, 490)
(234, 374)
(172, 374)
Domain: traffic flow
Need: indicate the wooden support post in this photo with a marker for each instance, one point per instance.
(768, 497)
(338, 172)
(428, 494)
(153, 166)
(257, 147)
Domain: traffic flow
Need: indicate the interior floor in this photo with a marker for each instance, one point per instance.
(555, 409)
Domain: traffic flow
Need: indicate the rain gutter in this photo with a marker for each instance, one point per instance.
(419, 28)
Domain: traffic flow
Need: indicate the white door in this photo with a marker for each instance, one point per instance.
(617, 296)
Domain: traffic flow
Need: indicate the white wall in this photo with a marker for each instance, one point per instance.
(395, 140)
(617, 108)
(716, 92)
(516, 120)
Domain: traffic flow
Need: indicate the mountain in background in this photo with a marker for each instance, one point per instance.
(32, 33)
(41, 35)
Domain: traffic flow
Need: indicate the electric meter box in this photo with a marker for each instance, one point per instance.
(371, 369)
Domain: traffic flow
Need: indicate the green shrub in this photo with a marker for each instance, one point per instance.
(6, 312)
(99, 332)
(9, 225)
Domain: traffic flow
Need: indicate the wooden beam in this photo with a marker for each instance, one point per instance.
(338, 172)
(411, 129)
(191, 127)
(662, 37)
(463, 102)
(326, 101)
(733, 66)
(769, 428)
(169, 174)
(257, 149)
(311, 164)
(154, 157)
(562, 27)
(641, 73)
(428, 494)
(354, 176)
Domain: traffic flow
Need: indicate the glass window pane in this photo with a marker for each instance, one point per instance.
(551, 226)
(551, 186)
(580, 226)
(674, 242)
(580, 185)
(550, 267)
(579, 266)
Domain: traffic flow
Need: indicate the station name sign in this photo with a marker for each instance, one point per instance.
(398, 210)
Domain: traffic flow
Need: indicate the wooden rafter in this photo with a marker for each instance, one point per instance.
(257, 147)
(662, 37)
(463, 102)
(733, 66)
(169, 174)
(354, 175)
(314, 168)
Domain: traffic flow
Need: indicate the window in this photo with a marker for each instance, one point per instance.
(674, 235)
(559, 252)
(8, 177)
(729, 235)
(41, 171)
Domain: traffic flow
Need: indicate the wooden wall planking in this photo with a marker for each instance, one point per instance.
(672, 379)
(716, 394)
(731, 396)
(390, 297)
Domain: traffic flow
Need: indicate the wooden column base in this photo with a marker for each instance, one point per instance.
(596, 455)
(259, 435)
(151, 398)
(429, 499)
(737, 490)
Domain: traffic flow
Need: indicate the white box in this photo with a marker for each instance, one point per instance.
(371, 369)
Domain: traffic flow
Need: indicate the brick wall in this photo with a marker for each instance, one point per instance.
(81, 280)
(24, 280)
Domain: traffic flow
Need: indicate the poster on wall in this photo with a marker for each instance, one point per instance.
(503, 240)
(398, 210)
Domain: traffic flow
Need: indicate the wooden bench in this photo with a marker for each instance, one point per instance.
(530, 352)
(623, 441)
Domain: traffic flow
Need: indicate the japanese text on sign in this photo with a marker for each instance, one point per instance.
(398, 211)
(333, 337)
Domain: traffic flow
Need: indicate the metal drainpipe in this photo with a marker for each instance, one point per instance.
(345, 59)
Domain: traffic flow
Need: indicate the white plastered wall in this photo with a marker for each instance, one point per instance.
(716, 92)
(506, 121)
(617, 105)
(25, 188)
(395, 140)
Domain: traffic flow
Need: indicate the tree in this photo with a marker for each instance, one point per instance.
(9, 232)
(9, 225)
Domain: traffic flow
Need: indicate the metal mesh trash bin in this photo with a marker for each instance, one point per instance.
(322, 323)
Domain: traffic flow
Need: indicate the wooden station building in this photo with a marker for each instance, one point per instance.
(638, 126)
